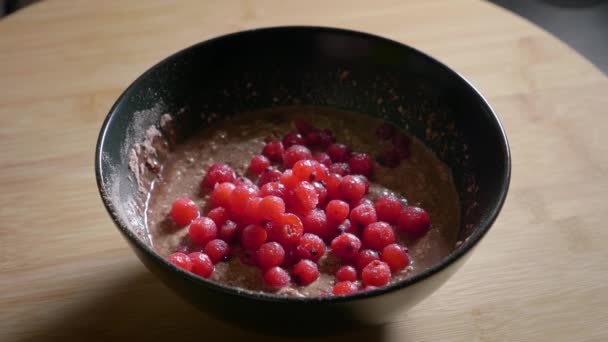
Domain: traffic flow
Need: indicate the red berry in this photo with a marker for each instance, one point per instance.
(376, 273)
(269, 255)
(352, 188)
(304, 170)
(361, 164)
(377, 235)
(269, 175)
(388, 208)
(396, 257)
(276, 277)
(332, 184)
(402, 145)
(217, 250)
(217, 173)
(220, 196)
(239, 198)
(337, 211)
(315, 222)
(347, 227)
(414, 221)
(219, 215)
(364, 201)
(286, 230)
(228, 231)
(305, 272)
(183, 211)
(258, 164)
(390, 157)
(251, 214)
(322, 158)
(310, 247)
(271, 207)
(240, 180)
(202, 230)
(345, 246)
(273, 189)
(338, 153)
(288, 179)
(291, 258)
(340, 168)
(253, 236)
(180, 260)
(385, 131)
(294, 154)
(364, 257)
(292, 138)
(273, 150)
(346, 273)
(363, 215)
(201, 264)
(344, 288)
(303, 127)
(321, 191)
(305, 196)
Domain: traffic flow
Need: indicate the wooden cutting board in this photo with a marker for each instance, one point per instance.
(67, 274)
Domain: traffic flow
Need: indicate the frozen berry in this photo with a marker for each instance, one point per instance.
(376, 273)
(344, 288)
(273, 150)
(364, 201)
(352, 188)
(288, 179)
(276, 277)
(396, 257)
(364, 257)
(310, 247)
(258, 164)
(294, 154)
(317, 139)
(252, 214)
(345, 246)
(228, 231)
(305, 272)
(414, 221)
(218, 173)
(269, 175)
(271, 207)
(239, 198)
(388, 208)
(338, 153)
(332, 184)
(201, 264)
(269, 255)
(183, 211)
(385, 131)
(220, 196)
(321, 192)
(180, 260)
(322, 158)
(361, 164)
(286, 230)
(292, 138)
(337, 211)
(340, 168)
(217, 250)
(315, 222)
(202, 230)
(377, 235)
(219, 215)
(303, 127)
(390, 157)
(273, 189)
(253, 236)
(363, 215)
(346, 273)
(304, 170)
(305, 196)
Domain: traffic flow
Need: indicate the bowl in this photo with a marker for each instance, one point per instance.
(319, 66)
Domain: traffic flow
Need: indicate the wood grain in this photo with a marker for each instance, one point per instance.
(66, 274)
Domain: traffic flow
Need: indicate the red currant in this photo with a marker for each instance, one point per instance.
(288, 179)
(414, 221)
(377, 235)
(352, 188)
(310, 247)
(305, 272)
(271, 207)
(180, 260)
(220, 196)
(258, 164)
(363, 215)
(338, 153)
(276, 277)
(292, 138)
(253, 236)
(286, 230)
(202, 230)
(217, 250)
(396, 257)
(364, 257)
(219, 215)
(273, 189)
(201, 264)
(305, 196)
(217, 173)
(344, 288)
(239, 198)
(345, 246)
(228, 231)
(376, 273)
(269, 255)
(273, 150)
(332, 184)
(294, 154)
(340, 168)
(303, 127)
(322, 158)
(304, 170)
(315, 222)
(388, 208)
(337, 211)
(251, 213)
(346, 273)
(321, 192)
(361, 164)
(269, 175)
(183, 211)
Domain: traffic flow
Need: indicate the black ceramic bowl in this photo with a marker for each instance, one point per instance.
(327, 67)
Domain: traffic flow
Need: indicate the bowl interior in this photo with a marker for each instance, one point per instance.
(311, 66)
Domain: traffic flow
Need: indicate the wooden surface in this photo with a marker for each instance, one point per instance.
(66, 273)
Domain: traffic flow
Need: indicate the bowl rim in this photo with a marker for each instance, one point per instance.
(486, 222)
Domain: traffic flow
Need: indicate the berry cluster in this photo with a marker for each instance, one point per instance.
(303, 205)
